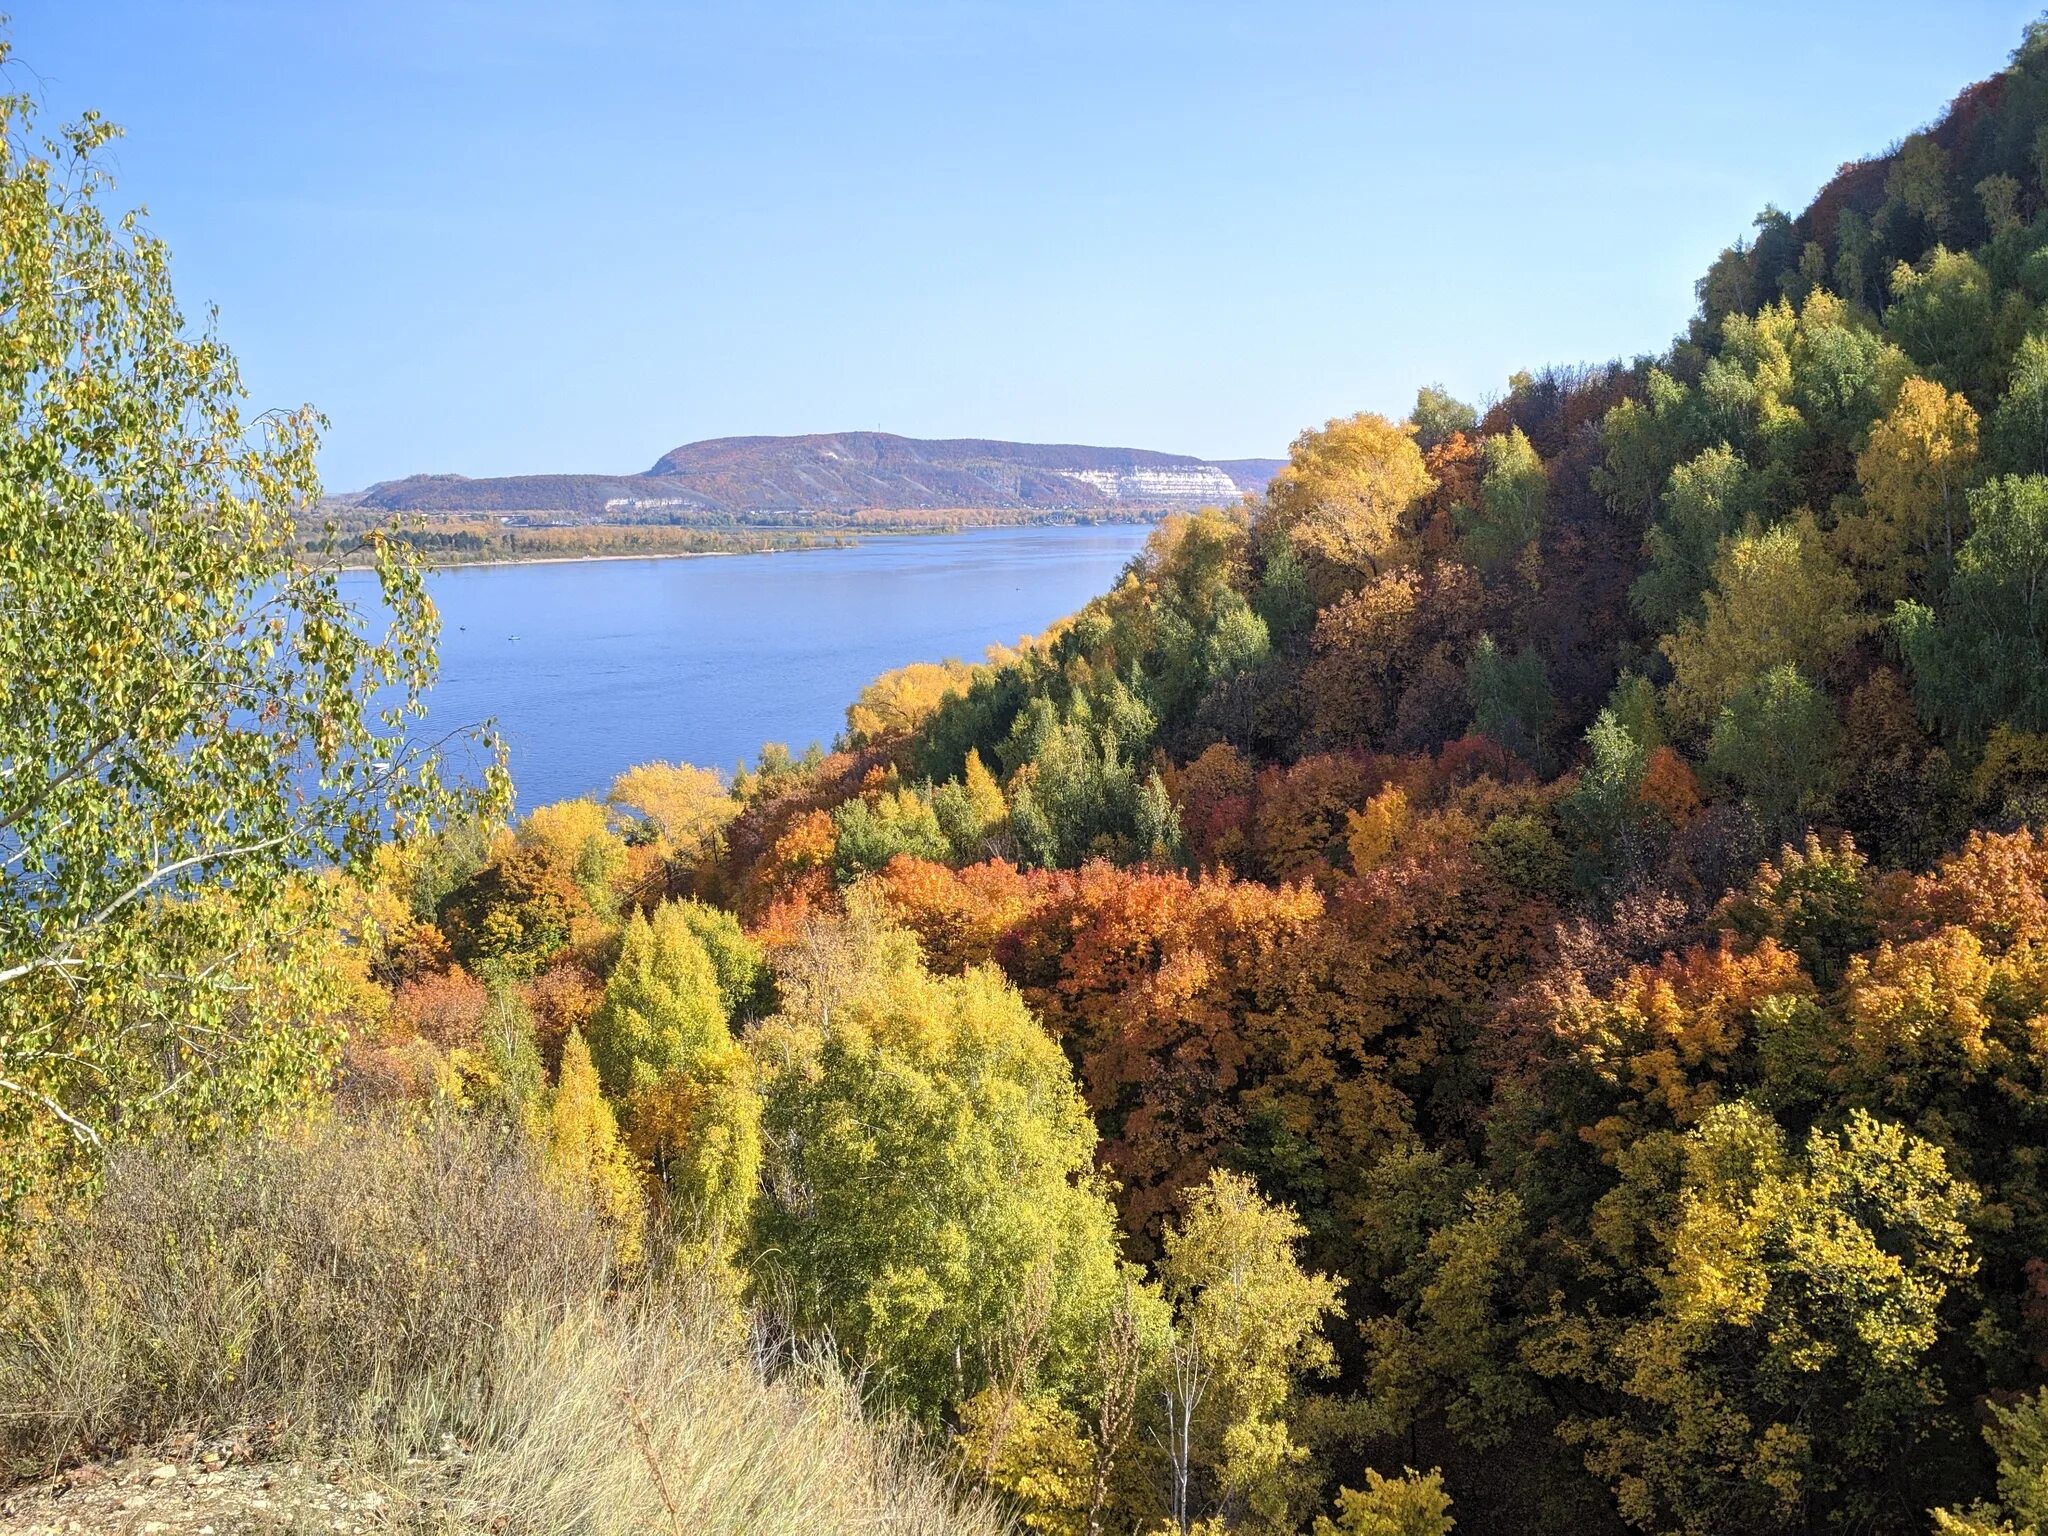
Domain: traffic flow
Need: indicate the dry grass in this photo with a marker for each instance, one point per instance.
(655, 1422)
(373, 1287)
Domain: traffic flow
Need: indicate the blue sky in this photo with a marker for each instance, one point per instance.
(497, 238)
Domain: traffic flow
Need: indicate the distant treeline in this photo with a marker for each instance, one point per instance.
(491, 539)
(485, 541)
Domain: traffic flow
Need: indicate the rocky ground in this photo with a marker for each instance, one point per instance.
(228, 1487)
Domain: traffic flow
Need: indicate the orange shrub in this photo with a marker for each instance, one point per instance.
(444, 1007)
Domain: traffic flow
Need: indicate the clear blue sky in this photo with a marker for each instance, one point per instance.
(496, 238)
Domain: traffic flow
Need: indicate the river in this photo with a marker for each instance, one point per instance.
(591, 666)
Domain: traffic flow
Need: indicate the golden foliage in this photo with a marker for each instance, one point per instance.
(1920, 458)
(1344, 497)
(896, 703)
(690, 806)
(1779, 598)
(1370, 834)
(586, 1153)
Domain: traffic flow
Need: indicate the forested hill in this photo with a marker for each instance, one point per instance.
(848, 472)
(1584, 858)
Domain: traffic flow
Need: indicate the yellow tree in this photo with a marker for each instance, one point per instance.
(688, 805)
(661, 1008)
(575, 838)
(896, 703)
(585, 1154)
(1344, 496)
(1913, 474)
(1779, 599)
(1371, 834)
(1413, 1504)
(1513, 495)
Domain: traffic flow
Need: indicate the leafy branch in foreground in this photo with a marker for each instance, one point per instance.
(196, 716)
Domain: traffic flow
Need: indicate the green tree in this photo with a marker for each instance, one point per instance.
(1706, 501)
(1248, 1326)
(1075, 794)
(2018, 1437)
(1283, 599)
(194, 714)
(661, 1009)
(1438, 417)
(1633, 703)
(872, 831)
(1640, 441)
(1775, 741)
(746, 986)
(1604, 809)
(1842, 373)
(1157, 823)
(1918, 179)
(513, 1071)
(1456, 1251)
(1514, 494)
(1728, 288)
(1511, 699)
(928, 1152)
(1984, 660)
(1944, 315)
(970, 809)
(1237, 639)
(2016, 436)
(1856, 257)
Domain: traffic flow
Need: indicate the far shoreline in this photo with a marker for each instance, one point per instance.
(657, 554)
(849, 540)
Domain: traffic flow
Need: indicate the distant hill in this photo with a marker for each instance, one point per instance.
(841, 472)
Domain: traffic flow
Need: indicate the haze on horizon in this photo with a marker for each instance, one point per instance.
(500, 239)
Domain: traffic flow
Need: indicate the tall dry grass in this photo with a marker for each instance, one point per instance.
(383, 1288)
(653, 1421)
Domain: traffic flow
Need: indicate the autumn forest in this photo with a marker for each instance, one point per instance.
(1500, 985)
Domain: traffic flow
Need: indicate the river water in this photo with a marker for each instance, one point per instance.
(589, 667)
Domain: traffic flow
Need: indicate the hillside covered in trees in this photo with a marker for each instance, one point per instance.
(1503, 981)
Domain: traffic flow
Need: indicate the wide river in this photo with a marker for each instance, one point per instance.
(591, 666)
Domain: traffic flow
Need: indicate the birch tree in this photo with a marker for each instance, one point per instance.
(195, 714)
